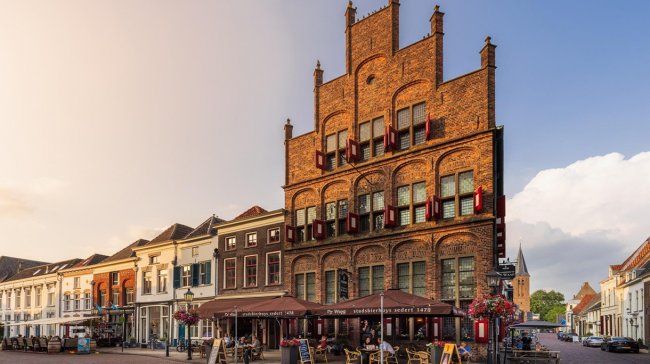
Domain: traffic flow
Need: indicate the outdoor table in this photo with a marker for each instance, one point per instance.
(365, 353)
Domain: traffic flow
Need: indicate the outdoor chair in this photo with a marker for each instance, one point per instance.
(14, 343)
(425, 356)
(258, 353)
(414, 357)
(230, 351)
(21, 343)
(322, 352)
(351, 356)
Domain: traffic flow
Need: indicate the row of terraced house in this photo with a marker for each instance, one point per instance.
(622, 307)
(399, 185)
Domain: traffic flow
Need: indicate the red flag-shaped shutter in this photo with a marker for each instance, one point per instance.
(390, 138)
(437, 328)
(481, 331)
(320, 160)
(290, 233)
(319, 229)
(352, 224)
(352, 151)
(501, 240)
(501, 206)
(478, 200)
(437, 208)
(427, 209)
(390, 216)
(427, 127)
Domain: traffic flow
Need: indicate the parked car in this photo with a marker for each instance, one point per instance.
(560, 334)
(620, 344)
(569, 336)
(593, 341)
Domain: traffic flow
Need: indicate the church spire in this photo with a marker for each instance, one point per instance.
(520, 267)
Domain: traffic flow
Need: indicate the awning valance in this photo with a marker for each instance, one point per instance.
(52, 321)
(227, 307)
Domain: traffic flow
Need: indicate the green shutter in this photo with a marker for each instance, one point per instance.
(177, 277)
(195, 275)
(208, 272)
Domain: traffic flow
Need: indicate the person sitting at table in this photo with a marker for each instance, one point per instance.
(322, 344)
(256, 343)
(242, 341)
(368, 344)
(386, 347)
(228, 341)
(525, 341)
(464, 351)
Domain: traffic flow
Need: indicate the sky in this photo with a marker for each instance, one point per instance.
(120, 118)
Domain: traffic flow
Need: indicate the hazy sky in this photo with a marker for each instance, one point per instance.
(119, 118)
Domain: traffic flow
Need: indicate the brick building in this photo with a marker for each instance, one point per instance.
(398, 182)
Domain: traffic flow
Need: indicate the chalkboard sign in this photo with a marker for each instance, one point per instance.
(218, 352)
(305, 353)
(343, 284)
(448, 352)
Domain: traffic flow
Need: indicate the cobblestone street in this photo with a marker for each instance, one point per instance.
(575, 353)
(29, 358)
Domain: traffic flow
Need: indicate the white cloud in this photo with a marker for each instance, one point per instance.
(577, 220)
(20, 199)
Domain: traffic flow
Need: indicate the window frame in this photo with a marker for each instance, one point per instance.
(186, 275)
(305, 232)
(246, 273)
(159, 274)
(268, 236)
(373, 140)
(456, 259)
(411, 206)
(154, 259)
(146, 291)
(305, 294)
(279, 273)
(339, 221)
(371, 274)
(412, 128)
(195, 251)
(457, 197)
(226, 271)
(410, 274)
(226, 241)
(250, 244)
(338, 153)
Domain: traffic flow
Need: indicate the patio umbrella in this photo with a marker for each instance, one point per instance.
(396, 303)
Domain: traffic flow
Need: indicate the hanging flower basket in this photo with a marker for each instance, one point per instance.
(189, 318)
(489, 306)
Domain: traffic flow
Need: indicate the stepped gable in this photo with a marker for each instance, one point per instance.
(44, 269)
(174, 232)
(206, 228)
(126, 252)
(10, 265)
(252, 212)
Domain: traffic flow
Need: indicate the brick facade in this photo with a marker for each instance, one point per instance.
(381, 79)
(103, 283)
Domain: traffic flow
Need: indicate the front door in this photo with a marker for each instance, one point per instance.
(181, 332)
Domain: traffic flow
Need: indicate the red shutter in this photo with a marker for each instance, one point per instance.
(390, 138)
(390, 216)
(478, 200)
(352, 223)
(319, 229)
(501, 206)
(290, 233)
(427, 127)
(481, 331)
(437, 328)
(437, 208)
(352, 151)
(501, 240)
(320, 160)
(427, 209)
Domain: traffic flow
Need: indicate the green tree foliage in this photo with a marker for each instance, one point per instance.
(542, 302)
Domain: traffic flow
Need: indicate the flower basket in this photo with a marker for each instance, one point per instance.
(491, 306)
(188, 318)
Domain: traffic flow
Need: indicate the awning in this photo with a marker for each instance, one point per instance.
(285, 306)
(396, 303)
(227, 307)
(52, 321)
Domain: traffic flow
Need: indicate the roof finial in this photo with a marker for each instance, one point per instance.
(488, 39)
(288, 121)
(349, 3)
(318, 64)
(436, 8)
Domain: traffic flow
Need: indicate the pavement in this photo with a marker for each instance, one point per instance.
(575, 353)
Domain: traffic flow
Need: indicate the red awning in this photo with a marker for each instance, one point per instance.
(396, 303)
(227, 306)
(285, 306)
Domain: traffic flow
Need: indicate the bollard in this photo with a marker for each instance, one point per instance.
(167, 348)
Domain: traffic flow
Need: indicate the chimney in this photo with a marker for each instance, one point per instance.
(350, 19)
(318, 80)
(437, 33)
(394, 16)
(488, 56)
(288, 130)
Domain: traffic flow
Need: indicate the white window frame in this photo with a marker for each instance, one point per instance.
(158, 275)
(268, 236)
(225, 276)
(189, 276)
(246, 245)
(257, 270)
(266, 278)
(76, 283)
(195, 251)
(225, 243)
(155, 257)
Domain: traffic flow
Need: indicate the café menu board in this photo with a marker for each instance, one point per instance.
(218, 353)
(305, 355)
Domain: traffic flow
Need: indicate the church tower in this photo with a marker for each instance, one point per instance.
(521, 284)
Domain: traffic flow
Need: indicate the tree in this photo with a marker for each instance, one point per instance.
(551, 315)
(542, 302)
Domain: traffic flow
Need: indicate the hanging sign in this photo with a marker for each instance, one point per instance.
(343, 284)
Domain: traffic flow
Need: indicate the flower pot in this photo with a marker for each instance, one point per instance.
(289, 355)
(436, 354)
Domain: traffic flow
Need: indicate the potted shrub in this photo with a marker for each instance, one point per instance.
(435, 348)
(289, 351)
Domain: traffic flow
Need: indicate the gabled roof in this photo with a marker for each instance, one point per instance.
(9, 266)
(174, 232)
(44, 269)
(126, 252)
(252, 212)
(520, 268)
(584, 290)
(206, 228)
(639, 257)
(584, 303)
(91, 260)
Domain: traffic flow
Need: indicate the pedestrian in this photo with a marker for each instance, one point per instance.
(525, 341)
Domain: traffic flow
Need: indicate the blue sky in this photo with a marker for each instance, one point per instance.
(121, 118)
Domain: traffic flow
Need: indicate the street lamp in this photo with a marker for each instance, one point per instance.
(189, 297)
(492, 278)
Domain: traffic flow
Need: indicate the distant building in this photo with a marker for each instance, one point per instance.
(521, 285)
(573, 302)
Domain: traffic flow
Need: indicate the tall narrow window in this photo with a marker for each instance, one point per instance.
(364, 212)
(378, 210)
(411, 126)
(186, 275)
(404, 205)
(335, 217)
(304, 223)
(330, 287)
(457, 194)
(371, 280)
(378, 137)
(419, 117)
(330, 157)
(343, 138)
(404, 129)
(364, 141)
(129, 296)
(28, 298)
(448, 196)
(230, 273)
(115, 297)
(411, 277)
(250, 262)
(18, 298)
(115, 278)
(419, 200)
(273, 268)
(146, 282)
(465, 192)
(458, 288)
(162, 280)
(204, 272)
(305, 285)
(251, 240)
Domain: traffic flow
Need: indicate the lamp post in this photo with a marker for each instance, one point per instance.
(492, 278)
(189, 296)
(381, 319)
(236, 333)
